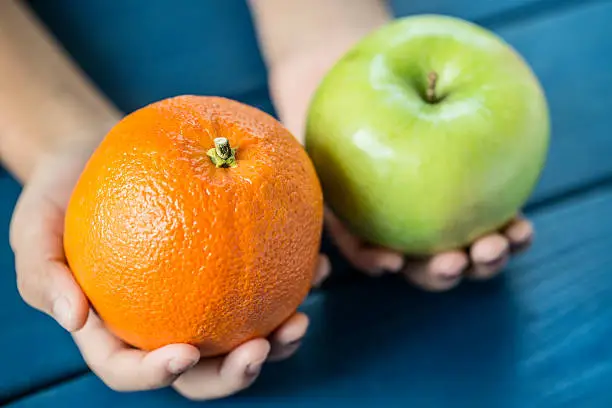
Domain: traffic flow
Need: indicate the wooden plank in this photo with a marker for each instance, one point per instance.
(571, 54)
(538, 336)
(139, 51)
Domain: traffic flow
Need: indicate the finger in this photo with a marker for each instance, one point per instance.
(520, 234)
(488, 255)
(48, 286)
(371, 260)
(439, 272)
(43, 279)
(287, 339)
(125, 369)
(322, 272)
(220, 377)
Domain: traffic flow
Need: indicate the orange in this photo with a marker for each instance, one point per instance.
(175, 241)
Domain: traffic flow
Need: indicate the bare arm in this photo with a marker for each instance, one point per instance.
(301, 39)
(45, 101)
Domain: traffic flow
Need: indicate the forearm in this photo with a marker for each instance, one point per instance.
(287, 29)
(301, 40)
(45, 101)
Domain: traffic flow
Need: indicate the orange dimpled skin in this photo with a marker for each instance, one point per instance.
(170, 248)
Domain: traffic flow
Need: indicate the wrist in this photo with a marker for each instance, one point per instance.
(294, 79)
(301, 39)
(22, 149)
(46, 101)
(286, 28)
(85, 136)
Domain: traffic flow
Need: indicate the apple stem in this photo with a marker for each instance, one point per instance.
(222, 155)
(432, 80)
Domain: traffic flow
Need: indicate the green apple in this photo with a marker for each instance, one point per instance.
(427, 134)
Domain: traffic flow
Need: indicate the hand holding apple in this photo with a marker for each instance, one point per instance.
(429, 135)
(292, 86)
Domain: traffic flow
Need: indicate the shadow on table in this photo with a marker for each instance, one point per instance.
(373, 337)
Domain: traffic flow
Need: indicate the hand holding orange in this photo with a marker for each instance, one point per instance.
(177, 239)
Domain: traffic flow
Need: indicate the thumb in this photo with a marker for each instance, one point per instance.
(49, 287)
(43, 279)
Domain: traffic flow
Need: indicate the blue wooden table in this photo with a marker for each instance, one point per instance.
(539, 336)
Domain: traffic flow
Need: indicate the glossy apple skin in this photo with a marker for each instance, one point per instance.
(420, 177)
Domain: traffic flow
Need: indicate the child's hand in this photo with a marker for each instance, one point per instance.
(46, 283)
(484, 259)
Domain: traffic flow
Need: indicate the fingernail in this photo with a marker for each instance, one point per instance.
(253, 369)
(62, 312)
(293, 343)
(178, 366)
(449, 277)
(393, 263)
(495, 261)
